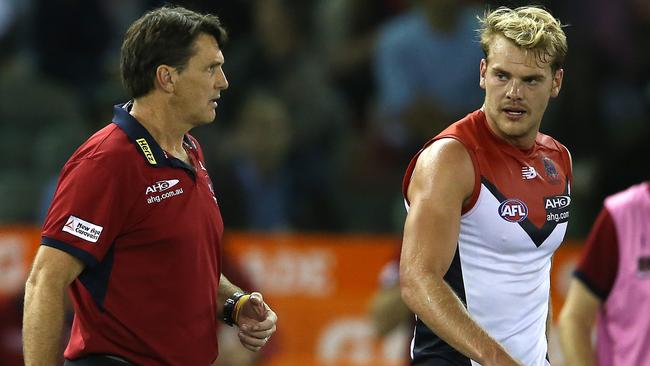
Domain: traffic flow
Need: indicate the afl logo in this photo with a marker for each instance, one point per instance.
(513, 210)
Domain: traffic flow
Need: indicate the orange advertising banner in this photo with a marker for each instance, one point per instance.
(17, 249)
(320, 285)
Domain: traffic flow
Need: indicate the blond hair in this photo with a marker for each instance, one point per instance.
(529, 27)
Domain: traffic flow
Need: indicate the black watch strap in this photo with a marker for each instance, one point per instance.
(229, 307)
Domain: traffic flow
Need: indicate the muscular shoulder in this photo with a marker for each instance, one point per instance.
(443, 164)
(442, 151)
(456, 144)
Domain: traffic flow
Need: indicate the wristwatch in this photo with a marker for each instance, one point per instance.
(229, 307)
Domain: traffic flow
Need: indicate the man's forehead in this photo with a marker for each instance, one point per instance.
(504, 53)
(206, 41)
(206, 46)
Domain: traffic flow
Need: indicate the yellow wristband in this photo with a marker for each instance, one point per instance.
(238, 307)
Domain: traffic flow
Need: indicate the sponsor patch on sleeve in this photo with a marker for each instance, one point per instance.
(82, 229)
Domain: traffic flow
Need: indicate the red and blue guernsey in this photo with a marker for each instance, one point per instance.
(148, 229)
(515, 220)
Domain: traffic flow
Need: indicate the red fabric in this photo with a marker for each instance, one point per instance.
(598, 266)
(148, 291)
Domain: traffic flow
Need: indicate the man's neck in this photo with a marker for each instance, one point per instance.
(160, 122)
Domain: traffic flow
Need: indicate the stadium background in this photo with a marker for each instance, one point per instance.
(312, 138)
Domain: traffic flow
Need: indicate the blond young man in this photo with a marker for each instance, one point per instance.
(487, 204)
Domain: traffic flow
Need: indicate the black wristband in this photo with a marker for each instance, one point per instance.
(229, 307)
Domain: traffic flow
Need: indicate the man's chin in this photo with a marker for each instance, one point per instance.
(519, 133)
(515, 128)
(207, 120)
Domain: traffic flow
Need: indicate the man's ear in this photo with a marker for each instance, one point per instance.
(165, 77)
(557, 82)
(482, 72)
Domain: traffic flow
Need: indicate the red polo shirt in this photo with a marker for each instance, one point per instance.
(148, 228)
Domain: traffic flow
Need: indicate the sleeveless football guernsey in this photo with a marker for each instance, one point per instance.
(514, 221)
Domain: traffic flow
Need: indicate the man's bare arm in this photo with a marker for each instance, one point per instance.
(442, 181)
(576, 323)
(226, 289)
(256, 320)
(52, 272)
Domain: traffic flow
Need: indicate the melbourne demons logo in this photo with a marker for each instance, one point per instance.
(551, 171)
(513, 210)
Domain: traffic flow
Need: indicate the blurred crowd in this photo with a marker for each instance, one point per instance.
(328, 101)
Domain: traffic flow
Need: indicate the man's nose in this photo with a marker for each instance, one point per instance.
(222, 82)
(513, 91)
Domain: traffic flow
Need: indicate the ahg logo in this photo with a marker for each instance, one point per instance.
(557, 202)
(513, 210)
(557, 208)
(161, 186)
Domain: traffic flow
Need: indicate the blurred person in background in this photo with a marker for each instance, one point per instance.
(418, 62)
(79, 62)
(611, 287)
(134, 230)
(617, 33)
(38, 139)
(280, 56)
(349, 47)
(421, 64)
(387, 311)
(254, 166)
(488, 204)
(366, 171)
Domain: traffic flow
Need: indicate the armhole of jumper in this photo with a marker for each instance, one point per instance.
(477, 180)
